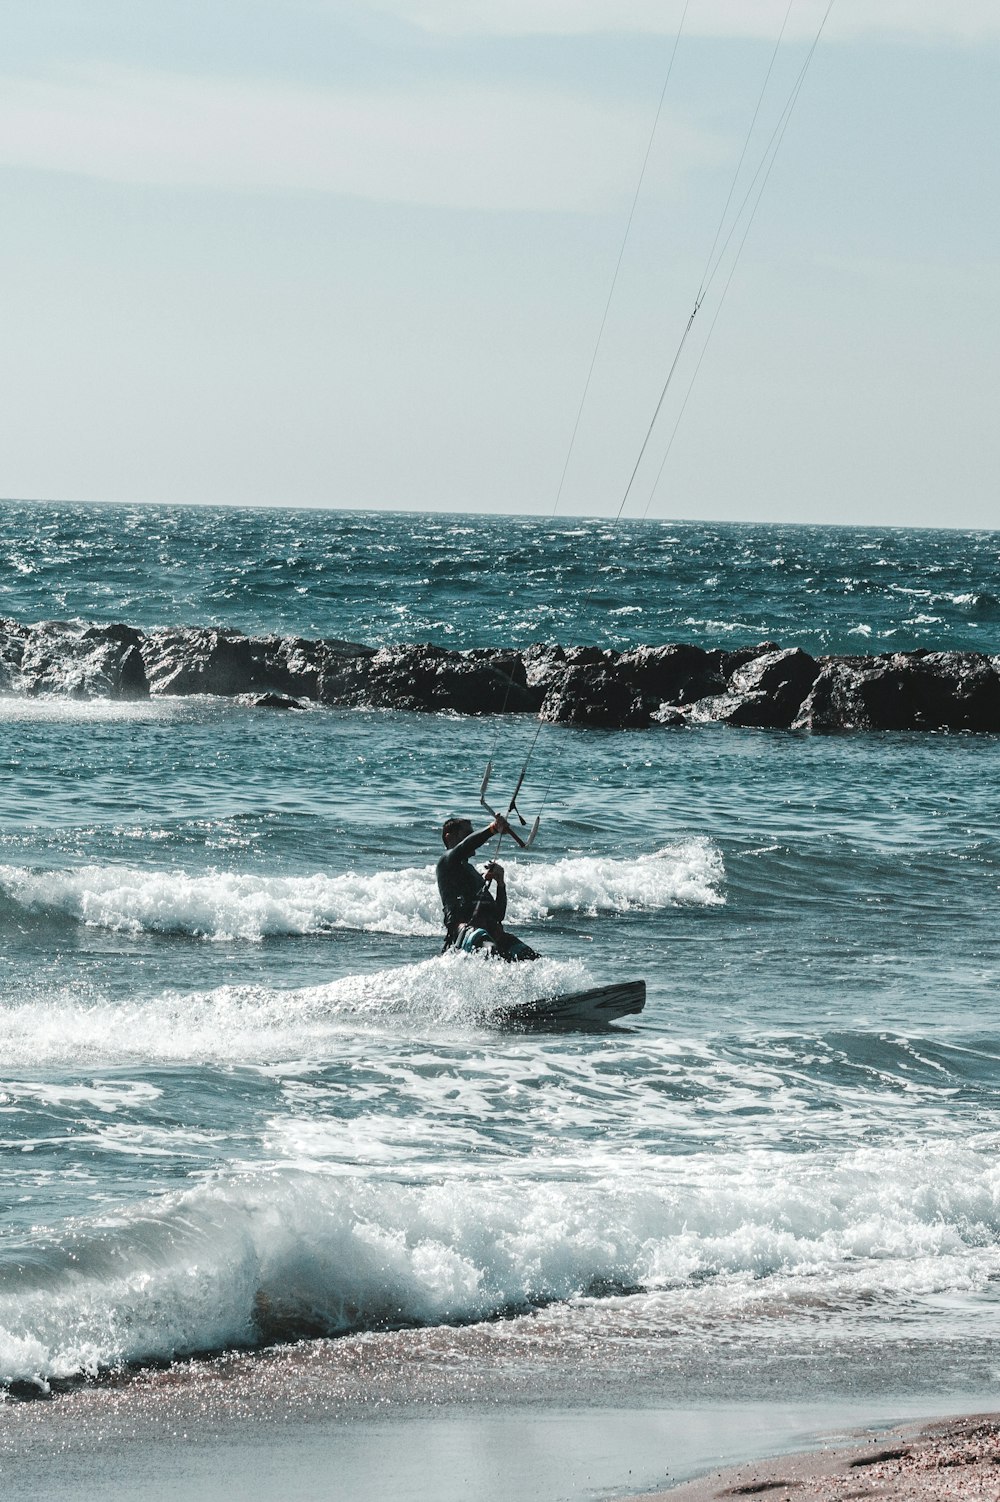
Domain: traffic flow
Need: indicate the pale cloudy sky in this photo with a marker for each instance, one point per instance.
(357, 252)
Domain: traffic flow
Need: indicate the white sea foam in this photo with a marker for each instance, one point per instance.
(253, 1024)
(57, 708)
(238, 1260)
(229, 905)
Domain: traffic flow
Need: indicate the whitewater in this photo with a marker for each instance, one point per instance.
(247, 1107)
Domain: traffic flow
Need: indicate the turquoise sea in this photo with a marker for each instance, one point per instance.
(246, 1106)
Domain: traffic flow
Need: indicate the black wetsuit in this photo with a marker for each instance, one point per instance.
(465, 897)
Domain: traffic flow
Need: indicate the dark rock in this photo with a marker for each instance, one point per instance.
(60, 657)
(674, 684)
(669, 714)
(275, 701)
(765, 691)
(522, 696)
(199, 661)
(206, 661)
(851, 696)
(116, 663)
(12, 636)
(753, 710)
(117, 633)
(426, 677)
(786, 674)
(542, 663)
(545, 664)
(596, 695)
(132, 680)
(905, 691)
(509, 663)
(675, 674)
(725, 663)
(961, 691)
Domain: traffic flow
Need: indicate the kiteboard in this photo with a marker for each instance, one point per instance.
(592, 1008)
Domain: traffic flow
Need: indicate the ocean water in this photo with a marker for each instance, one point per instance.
(474, 581)
(247, 1107)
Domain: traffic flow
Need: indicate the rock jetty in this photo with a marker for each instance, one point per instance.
(768, 686)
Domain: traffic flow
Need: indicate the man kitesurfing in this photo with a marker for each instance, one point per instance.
(473, 921)
(473, 914)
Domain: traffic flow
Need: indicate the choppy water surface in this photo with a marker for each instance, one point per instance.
(243, 1100)
(470, 581)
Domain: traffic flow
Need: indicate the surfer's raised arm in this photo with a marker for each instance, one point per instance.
(462, 841)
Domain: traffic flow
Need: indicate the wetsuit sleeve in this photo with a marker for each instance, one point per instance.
(466, 849)
(461, 887)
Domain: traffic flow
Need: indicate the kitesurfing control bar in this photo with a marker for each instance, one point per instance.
(512, 808)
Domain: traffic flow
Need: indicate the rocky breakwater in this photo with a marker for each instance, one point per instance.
(777, 688)
(120, 662)
(287, 670)
(766, 685)
(72, 658)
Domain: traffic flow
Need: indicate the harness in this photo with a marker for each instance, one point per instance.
(472, 940)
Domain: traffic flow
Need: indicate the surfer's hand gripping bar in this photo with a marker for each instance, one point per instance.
(512, 808)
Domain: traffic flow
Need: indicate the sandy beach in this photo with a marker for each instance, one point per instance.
(956, 1457)
(440, 1419)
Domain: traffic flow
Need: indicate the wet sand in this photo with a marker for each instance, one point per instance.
(430, 1418)
(932, 1462)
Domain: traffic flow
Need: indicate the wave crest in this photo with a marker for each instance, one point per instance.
(228, 905)
(284, 1254)
(255, 1024)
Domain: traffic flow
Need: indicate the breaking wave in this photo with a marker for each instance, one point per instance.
(242, 1261)
(227, 905)
(252, 1024)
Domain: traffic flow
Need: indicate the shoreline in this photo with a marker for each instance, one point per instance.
(430, 1431)
(928, 1461)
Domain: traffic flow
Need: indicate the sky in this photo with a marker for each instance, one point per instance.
(356, 253)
